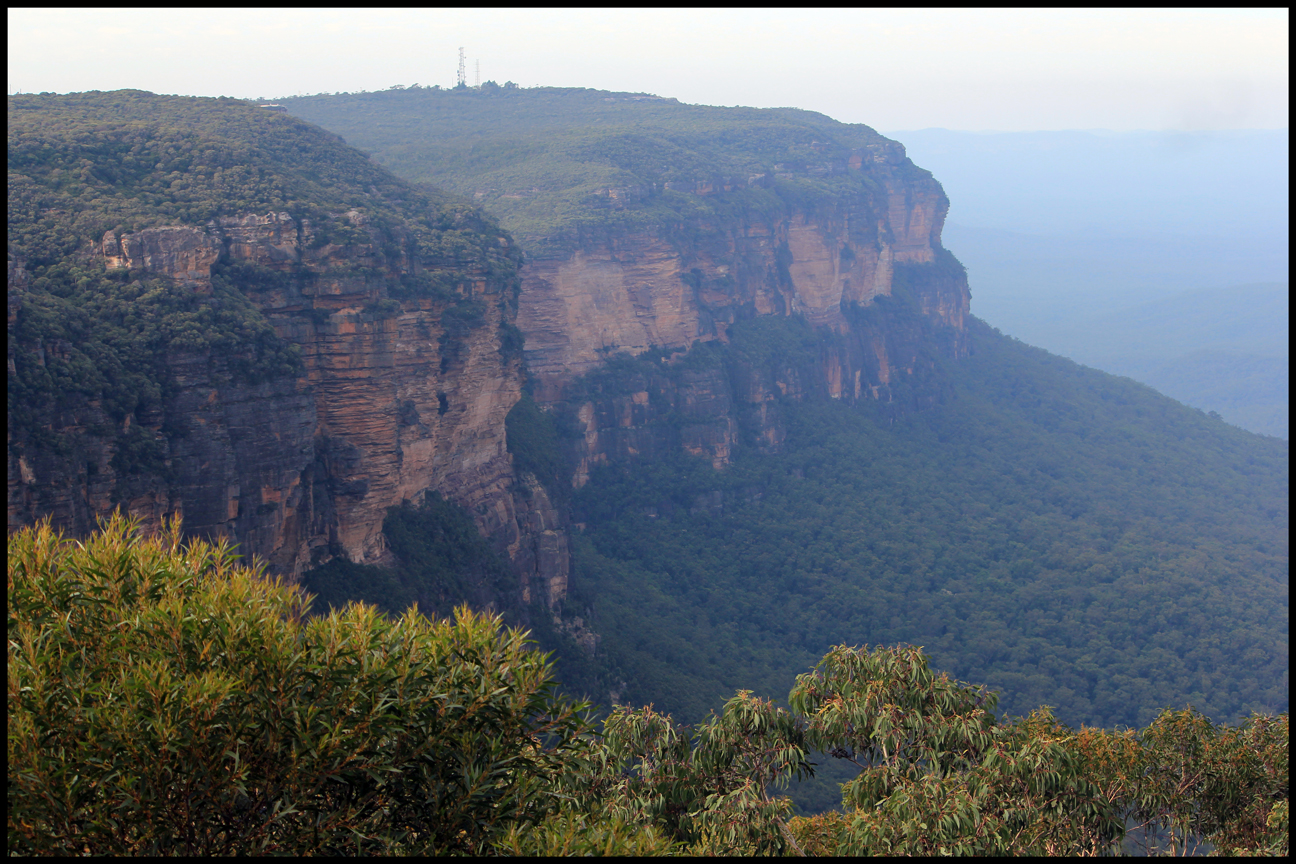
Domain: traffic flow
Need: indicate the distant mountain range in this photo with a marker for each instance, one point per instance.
(1221, 350)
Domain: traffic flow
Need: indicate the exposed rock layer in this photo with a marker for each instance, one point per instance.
(391, 405)
(643, 290)
(300, 470)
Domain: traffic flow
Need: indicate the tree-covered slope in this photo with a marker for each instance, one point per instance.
(554, 163)
(1067, 537)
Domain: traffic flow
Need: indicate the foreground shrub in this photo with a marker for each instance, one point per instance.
(939, 774)
(164, 699)
(706, 788)
(577, 833)
(1185, 779)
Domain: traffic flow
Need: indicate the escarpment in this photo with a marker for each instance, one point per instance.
(866, 273)
(396, 397)
(279, 378)
(652, 226)
(670, 287)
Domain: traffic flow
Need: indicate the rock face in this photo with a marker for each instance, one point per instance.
(395, 401)
(404, 392)
(540, 546)
(647, 290)
(642, 290)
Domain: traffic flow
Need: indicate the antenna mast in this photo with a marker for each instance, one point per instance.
(462, 76)
(478, 84)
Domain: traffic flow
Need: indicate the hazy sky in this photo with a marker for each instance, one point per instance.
(892, 69)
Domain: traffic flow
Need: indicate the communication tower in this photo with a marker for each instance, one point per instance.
(478, 84)
(462, 77)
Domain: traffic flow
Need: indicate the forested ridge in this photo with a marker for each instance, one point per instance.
(85, 163)
(561, 165)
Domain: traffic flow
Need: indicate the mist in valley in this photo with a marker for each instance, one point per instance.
(1162, 256)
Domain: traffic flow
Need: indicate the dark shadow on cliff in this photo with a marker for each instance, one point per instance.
(440, 561)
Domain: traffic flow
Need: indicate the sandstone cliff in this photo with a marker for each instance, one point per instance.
(666, 290)
(407, 360)
(399, 397)
(654, 225)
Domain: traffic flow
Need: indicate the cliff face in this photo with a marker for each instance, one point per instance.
(828, 263)
(644, 290)
(398, 398)
(408, 360)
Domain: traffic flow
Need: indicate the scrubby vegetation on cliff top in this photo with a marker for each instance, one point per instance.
(560, 164)
(85, 164)
(164, 700)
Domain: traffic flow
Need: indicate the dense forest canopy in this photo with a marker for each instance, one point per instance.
(555, 164)
(87, 163)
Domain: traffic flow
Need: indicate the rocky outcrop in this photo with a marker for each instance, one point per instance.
(539, 548)
(667, 290)
(180, 253)
(394, 402)
(866, 271)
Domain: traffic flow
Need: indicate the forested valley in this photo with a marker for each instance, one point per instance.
(1012, 605)
(1067, 537)
(1063, 536)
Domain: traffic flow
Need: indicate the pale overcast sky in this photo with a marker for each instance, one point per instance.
(1007, 70)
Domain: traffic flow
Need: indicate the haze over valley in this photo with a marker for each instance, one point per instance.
(1158, 255)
